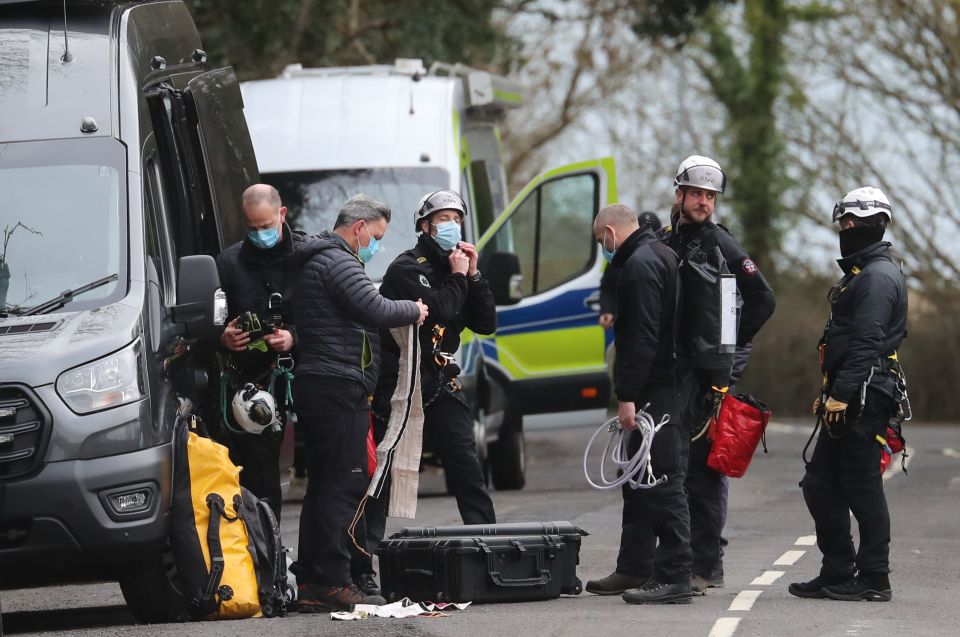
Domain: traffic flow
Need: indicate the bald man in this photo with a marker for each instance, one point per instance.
(259, 275)
(645, 374)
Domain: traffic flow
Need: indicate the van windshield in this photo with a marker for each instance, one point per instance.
(62, 222)
(313, 200)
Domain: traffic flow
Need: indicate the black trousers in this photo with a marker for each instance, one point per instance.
(659, 513)
(259, 455)
(843, 476)
(335, 416)
(707, 494)
(447, 430)
(706, 488)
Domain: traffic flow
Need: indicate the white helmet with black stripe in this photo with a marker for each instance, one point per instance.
(865, 201)
(697, 171)
(438, 200)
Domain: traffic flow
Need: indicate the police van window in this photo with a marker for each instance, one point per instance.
(567, 209)
(313, 199)
(519, 236)
(159, 247)
(483, 201)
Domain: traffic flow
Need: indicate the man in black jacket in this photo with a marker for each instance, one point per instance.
(339, 313)
(259, 275)
(608, 282)
(863, 387)
(442, 270)
(696, 239)
(645, 335)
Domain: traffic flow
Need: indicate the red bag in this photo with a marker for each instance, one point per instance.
(371, 450)
(894, 444)
(736, 431)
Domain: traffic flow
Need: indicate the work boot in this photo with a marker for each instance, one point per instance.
(814, 588)
(615, 584)
(699, 584)
(367, 582)
(873, 588)
(320, 599)
(654, 592)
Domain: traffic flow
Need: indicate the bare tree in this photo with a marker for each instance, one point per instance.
(886, 111)
(579, 63)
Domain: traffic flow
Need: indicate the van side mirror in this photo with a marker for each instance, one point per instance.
(198, 294)
(502, 269)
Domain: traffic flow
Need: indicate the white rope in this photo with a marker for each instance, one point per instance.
(637, 471)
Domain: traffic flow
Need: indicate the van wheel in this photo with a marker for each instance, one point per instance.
(150, 590)
(508, 460)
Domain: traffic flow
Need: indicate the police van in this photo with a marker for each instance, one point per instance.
(398, 132)
(122, 158)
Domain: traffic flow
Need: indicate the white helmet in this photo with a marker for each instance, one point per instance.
(700, 172)
(863, 202)
(255, 410)
(438, 200)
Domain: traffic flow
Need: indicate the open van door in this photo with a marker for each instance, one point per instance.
(548, 352)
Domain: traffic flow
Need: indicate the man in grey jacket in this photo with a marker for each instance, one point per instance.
(339, 314)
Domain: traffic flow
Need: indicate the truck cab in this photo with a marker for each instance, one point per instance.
(397, 132)
(122, 157)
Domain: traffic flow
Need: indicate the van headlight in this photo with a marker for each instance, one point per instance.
(111, 381)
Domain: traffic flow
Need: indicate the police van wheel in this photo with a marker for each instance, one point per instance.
(150, 590)
(508, 461)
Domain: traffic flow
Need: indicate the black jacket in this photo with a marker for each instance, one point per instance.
(453, 301)
(608, 289)
(868, 321)
(339, 313)
(755, 293)
(249, 275)
(646, 323)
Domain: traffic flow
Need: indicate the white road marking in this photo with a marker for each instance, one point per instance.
(951, 453)
(806, 540)
(768, 578)
(789, 558)
(744, 600)
(724, 627)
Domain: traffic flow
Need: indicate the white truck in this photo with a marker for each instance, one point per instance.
(398, 132)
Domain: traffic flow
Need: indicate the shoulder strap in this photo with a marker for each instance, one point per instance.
(213, 594)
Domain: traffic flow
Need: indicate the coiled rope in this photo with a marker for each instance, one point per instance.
(636, 470)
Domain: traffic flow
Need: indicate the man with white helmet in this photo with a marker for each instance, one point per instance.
(704, 368)
(442, 270)
(859, 397)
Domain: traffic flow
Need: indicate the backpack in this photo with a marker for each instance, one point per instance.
(710, 309)
(225, 541)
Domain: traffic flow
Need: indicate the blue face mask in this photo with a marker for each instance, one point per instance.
(366, 253)
(448, 234)
(264, 239)
(607, 254)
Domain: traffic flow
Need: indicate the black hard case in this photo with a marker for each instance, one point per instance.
(482, 563)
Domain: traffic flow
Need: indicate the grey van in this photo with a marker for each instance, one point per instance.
(122, 156)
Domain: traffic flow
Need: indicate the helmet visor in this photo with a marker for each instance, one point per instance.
(860, 208)
(705, 177)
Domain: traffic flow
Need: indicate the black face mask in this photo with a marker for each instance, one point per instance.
(855, 239)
